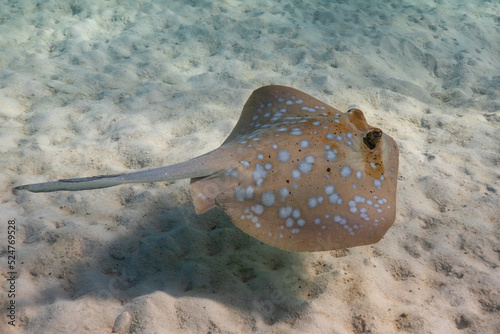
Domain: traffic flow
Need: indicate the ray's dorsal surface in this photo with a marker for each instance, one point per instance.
(294, 173)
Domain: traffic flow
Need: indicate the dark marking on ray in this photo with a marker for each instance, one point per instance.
(372, 138)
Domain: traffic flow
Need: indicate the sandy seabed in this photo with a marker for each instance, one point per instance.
(103, 87)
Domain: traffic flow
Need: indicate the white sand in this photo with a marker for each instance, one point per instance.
(97, 87)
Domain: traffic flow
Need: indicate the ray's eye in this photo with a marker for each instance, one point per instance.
(372, 138)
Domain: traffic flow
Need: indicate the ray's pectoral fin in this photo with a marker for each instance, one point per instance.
(205, 190)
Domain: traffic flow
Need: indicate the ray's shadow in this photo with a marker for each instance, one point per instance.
(182, 254)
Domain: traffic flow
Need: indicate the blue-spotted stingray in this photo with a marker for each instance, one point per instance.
(294, 173)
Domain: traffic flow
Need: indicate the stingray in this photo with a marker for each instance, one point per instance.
(295, 173)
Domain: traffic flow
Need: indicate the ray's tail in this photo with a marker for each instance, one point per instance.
(190, 169)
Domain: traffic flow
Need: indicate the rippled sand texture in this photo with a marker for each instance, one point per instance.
(103, 87)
